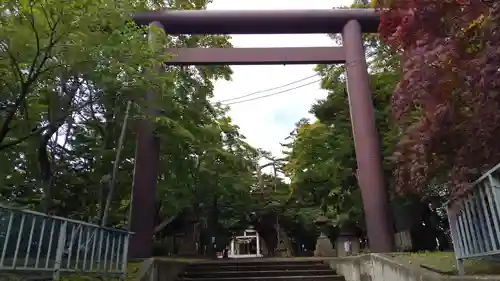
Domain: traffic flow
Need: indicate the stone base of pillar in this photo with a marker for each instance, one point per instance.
(324, 247)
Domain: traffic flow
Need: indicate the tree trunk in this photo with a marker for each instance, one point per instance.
(188, 247)
(284, 245)
(213, 225)
(112, 181)
(58, 114)
(46, 167)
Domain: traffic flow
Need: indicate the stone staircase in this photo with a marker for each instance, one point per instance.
(260, 270)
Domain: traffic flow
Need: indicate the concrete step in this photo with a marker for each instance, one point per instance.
(260, 270)
(273, 278)
(257, 261)
(255, 267)
(257, 273)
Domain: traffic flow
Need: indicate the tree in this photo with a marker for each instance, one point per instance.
(322, 163)
(55, 65)
(446, 101)
(88, 97)
(62, 115)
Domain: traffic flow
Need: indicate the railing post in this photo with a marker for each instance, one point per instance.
(99, 253)
(452, 220)
(7, 236)
(61, 243)
(495, 196)
(154, 272)
(126, 237)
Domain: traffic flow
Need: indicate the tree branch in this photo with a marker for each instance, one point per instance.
(31, 19)
(38, 130)
(115, 166)
(35, 131)
(163, 224)
(32, 76)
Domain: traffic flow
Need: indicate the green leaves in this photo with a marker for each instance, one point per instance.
(322, 161)
(67, 71)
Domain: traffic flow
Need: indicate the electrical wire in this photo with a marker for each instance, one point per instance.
(267, 90)
(284, 91)
(273, 94)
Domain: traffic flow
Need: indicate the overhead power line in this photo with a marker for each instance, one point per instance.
(273, 94)
(267, 90)
(230, 100)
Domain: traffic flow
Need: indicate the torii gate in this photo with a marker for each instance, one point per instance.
(351, 23)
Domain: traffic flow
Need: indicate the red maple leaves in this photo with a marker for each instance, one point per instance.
(448, 99)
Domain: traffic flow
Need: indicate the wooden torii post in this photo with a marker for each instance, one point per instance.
(351, 23)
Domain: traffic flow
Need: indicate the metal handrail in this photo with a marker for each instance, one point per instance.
(27, 211)
(37, 243)
(475, 220)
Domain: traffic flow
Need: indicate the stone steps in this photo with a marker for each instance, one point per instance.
(257, 267)
(332, 277)
(260, 270)
(258, 273)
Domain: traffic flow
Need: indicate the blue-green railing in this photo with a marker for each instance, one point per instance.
(36, 243)
(475, 220)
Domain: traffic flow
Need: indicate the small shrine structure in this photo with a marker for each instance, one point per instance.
(246, 246)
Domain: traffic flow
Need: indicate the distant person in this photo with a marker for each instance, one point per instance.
(347, 247)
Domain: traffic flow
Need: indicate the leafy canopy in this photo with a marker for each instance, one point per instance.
(447, 100)
(67, 72)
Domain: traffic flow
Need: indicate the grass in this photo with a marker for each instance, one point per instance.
(132, 270)
(444, 262)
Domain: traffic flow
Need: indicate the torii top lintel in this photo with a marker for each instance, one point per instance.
(203, 22)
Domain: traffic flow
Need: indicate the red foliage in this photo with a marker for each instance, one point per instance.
(448, 100)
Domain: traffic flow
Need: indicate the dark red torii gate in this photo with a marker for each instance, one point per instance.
(351, 23)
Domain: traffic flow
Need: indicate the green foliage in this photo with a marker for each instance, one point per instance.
(322, 163)
(67, 71)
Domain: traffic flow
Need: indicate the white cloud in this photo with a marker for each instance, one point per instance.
(266, 122)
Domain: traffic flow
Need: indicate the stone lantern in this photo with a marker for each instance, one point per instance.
(324, 247)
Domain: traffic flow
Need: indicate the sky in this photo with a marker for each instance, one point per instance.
(268, 121)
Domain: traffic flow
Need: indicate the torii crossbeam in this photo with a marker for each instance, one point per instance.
(351, 23)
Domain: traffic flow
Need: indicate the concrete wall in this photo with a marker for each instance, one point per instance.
(370, 267)
(375, 267)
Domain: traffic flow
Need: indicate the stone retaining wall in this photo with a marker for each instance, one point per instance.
(376, 267)
(369, 267)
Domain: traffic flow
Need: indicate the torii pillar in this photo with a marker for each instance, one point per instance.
(350, 22)
(145, 177)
